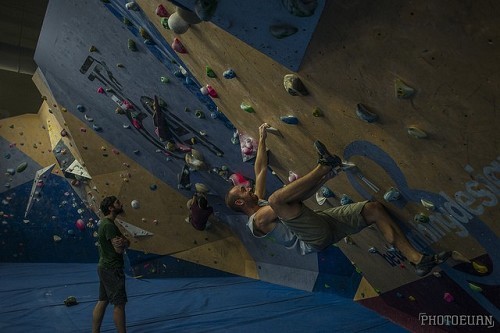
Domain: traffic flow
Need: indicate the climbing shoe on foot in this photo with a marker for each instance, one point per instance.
(428, 262)
(325, 158)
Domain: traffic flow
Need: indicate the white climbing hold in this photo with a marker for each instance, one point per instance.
(135, 204)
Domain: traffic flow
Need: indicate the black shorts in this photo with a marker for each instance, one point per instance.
(112, 285)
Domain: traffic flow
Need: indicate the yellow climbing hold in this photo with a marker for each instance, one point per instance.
(416, 132)
(479, 268)
(317, 112)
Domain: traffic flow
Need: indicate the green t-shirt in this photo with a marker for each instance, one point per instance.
(108, 258)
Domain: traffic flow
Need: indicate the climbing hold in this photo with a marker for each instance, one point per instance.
(399, 295)
(235, 139)
(131, 45)
(137, 152)
(164, 23)
(126, 21)
(178, 47)
(349, 240)
(448, 297)
(93, 49)
(477, 267)
(189, 81)
(100, 90)
(294, 86)
(135, 204)
(177, 24)
(411, 298)
(421, 218)
(132, 6)
(281, 31)
(211, 91)
(21, 167)
(436, 274)
(144, 34)
(326, 192)
(96, 128)
(64, 132)
(292, 176)
(199, 114)
(205, 9)
(372, 249)
(164, 79)
(363, 114)
(416, 132)
(201, 188)
(317, 112)
(161, 11)
(126, 126)
(427, 204)
(290, 120)
(320, 198)
(195, 160)
(89, 119)
(246, 107)
(345, 200)
(210, 72)
(188, 16)
(392, 194)
(402, 90)
(475, 287)
(300, 8)
(204, 91)
(229, 74)
(459, 257)
(11, 171)
(56, 238)
(80, 225)
(80, 108)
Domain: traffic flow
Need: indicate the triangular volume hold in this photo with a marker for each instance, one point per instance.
(133, 230)
(77, 169)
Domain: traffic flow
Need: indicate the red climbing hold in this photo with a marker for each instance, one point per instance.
(100, 90)
(211, 91)
(136, 123)
(161, 11)
(178, 47)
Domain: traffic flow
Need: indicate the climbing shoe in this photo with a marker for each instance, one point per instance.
(428, 262)
(325, 158)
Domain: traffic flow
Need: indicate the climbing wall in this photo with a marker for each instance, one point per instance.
(406, 92)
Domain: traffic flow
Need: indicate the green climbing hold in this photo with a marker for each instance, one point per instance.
(126, 21)
(199, 114)
(421, 218)
(144, 33)
(164, 23)
(131, 45)
(247, 107)
(93, 49)
(402, 90)
(475, 287)
(164, 79)
(300, 8)
(210, 72)
(317, 112)
(119, 66)
(282, 30)
(21, 167)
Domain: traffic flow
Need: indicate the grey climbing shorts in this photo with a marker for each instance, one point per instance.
(112, 285)
(323, 228)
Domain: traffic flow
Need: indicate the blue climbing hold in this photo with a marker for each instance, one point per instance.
(290, 120)
(229, 74)
(363, 114)
(345, 200)
(327, 193)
